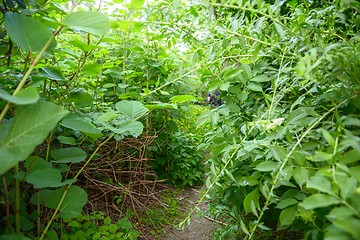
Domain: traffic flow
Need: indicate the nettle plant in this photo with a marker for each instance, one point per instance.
(285, 145)
(44, 77)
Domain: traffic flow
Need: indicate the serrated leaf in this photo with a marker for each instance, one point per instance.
(23, 97)
(278, 152)
(68, 155)
(133, 109)
(319, 200)
(92, 22)
(27, 32)
(73, 203)
(267, 166)
(32, 123)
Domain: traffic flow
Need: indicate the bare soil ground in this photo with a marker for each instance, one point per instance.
(200, 227)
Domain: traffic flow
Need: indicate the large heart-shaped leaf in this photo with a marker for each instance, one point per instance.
(133, 109)
(23, 97)
(32, 123)
(27, 32)
(73, 203)
(91, 22)
(48, 177)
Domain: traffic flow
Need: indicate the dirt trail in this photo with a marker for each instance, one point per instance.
(200, 228)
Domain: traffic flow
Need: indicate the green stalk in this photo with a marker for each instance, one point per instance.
(17, 201)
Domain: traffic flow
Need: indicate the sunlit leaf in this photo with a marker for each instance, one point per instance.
(267, 166)
(92, 22)
(133, 109)
(182, 98)
(27, 32)
(76, 123)
(23, 97)
(31, 125)
(319, 200)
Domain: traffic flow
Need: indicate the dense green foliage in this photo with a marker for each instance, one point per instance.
(283, 150)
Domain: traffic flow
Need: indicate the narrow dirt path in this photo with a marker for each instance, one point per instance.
(200, 228)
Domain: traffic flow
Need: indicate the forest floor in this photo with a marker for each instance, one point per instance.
(200, 227)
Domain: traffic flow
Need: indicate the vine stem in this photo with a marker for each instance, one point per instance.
(57, 209)
(277, 176)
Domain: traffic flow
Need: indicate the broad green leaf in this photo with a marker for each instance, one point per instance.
(92, 22)
(260, 78)
(334, 233)
(242, 96)
(27, 32)
(193, 11)
(251, 197)
(23, 97)
(319, 200)
(224, 86)
(106, 117)
(134, 128)
(320, 183)
(355, 172)
(76, 123)
(74, 201)
(279, 153)
(328, 137)
(160, 105)
(91, 69)
(136, 4)
(254, 87)
(350, 157)
(321, 156)
(19, 236)
(287, 216)
(68, 155)
(45, 178)
(32, 123)
(286, 203)
(300, 175)
(349, 225)
(133, 109)
(347, 186)
(83, 46)
(67, 140)
(267, 166)
(279, 29)
(339, 213)
(80, 99)
(213, 85)
(53, 73)
(182, 98)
